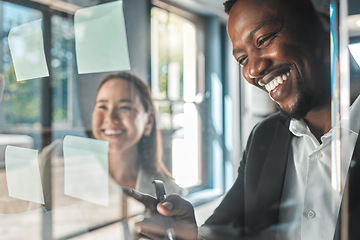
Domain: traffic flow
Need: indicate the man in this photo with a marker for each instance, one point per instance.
(283, 190)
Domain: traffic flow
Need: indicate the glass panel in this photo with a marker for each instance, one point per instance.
(70, 142)
(19, 127)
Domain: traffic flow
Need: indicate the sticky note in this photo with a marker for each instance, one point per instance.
(100, 39)
(27, 51)
(86, 169)
(23, 174)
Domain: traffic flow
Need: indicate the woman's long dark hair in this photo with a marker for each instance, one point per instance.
(150, 147)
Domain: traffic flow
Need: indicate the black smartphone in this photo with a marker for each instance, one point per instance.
(160, 190)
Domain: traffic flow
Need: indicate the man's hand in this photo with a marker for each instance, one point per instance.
(173, 218)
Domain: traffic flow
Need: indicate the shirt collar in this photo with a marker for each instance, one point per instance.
(300, 128)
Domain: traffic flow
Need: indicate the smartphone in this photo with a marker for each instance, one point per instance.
(160, 190)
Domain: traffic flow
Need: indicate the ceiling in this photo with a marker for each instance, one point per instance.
(207, 7)
(201, 6)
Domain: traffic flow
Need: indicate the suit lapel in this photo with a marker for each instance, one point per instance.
(264, 195)
(272, 176)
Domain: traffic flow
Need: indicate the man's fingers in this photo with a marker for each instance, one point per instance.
(174, 205)
(149, 201)
(159, 226)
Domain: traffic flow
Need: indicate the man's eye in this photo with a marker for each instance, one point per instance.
(265, 40)
(241, 60)
(102, 107)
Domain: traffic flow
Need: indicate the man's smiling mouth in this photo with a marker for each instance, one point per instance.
(273, 80)
(276, 81)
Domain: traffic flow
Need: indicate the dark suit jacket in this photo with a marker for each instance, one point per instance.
(252, 204)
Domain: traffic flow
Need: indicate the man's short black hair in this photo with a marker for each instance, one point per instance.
(228, 5)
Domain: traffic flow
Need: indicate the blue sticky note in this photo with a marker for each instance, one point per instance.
(100, 39)
(86, 169)
(27, 51)
(23, 174)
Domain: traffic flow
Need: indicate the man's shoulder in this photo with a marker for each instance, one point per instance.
(271, 122)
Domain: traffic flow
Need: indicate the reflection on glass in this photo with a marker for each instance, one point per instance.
(86, 169)
(100, 38)
(27, 51)
(355, 52)
(23, 174)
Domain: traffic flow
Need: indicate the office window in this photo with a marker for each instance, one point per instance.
(20, 98)
(174, 84)
(63, 71)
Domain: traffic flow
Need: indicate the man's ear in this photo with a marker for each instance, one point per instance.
(149, 125)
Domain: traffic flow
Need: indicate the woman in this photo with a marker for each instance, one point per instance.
(124, 115)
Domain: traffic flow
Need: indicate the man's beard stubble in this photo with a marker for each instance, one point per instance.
(303, 105)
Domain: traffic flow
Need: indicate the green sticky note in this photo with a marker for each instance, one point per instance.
(23, 174)
(100, 39)
(27, 51)
(86, 169)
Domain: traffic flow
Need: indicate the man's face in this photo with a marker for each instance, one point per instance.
(279, 53)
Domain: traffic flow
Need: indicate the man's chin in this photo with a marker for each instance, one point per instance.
(302, 106)
(298, 112)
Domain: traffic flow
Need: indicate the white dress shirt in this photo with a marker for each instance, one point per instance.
(309, 204)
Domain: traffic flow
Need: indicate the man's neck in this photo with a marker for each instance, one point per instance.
(319, 121)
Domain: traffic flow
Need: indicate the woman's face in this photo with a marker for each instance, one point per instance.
(119, 116)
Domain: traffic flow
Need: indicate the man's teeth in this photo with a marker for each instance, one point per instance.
(112, 132)
(277, 81)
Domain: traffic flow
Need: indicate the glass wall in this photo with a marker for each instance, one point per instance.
(101, 95)
(62, 137)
